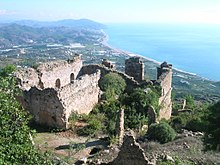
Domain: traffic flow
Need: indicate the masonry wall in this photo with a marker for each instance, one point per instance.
(27, 78)
(49, 75)
(88, 69)
(45, 107)
(81, 95)
(165, 81)
(52, 107)
(134, 67)
(62, 71)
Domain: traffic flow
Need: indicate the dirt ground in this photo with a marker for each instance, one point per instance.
(187, 148)
(59, 144)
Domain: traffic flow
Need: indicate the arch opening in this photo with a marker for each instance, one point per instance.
(57, 83)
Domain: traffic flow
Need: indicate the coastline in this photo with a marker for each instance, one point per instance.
(127, 53)
(104, 42)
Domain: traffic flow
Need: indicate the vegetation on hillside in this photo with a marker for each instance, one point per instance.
(161, 132)
(212, 132)
(15, 135)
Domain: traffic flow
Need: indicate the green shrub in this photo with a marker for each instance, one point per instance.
(161, 132)
(15, 143)
(179, 122)
(195, 124)
(212, 132)
(73, 117)
(94, 124)
(114, 82)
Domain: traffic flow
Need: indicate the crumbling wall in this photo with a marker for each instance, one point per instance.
(27, 78)
(165, 81)
(45, 107)
(52, 107)
(88, 69)
(63, 71)
(134, 67)
(130, 152)
(54, 74)
(81, 95)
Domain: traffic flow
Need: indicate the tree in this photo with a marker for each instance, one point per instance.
(137, 105)
(15, 143)
(113, 81)
(190, 102)
(212, 132)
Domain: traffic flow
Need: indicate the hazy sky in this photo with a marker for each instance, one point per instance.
(175, 11)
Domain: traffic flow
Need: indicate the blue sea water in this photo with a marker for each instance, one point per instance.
(191, 48)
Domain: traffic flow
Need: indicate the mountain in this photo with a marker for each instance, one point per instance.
(81, 23)
(18, 34)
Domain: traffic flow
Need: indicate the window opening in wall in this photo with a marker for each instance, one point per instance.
(57, 84)
(72, 77)
(163, 92)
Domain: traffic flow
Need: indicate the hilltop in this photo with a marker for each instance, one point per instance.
(28, 42)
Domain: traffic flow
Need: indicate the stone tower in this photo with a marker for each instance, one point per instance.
(164, 78)
(134, 67)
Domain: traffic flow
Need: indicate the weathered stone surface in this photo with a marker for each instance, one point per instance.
(164, 79)
(53, 106)
(53, 74)
(54, 90)
(130, 152)
(152, 115)
(45, 107)
(120, 126)
(134, 67)
(108, 64)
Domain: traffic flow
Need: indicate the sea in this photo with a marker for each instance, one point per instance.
(193, 48)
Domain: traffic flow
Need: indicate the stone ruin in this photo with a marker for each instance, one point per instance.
(130, 152)
(134, 67)
(54, 90)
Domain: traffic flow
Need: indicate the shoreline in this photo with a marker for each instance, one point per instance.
(130, 54)
(127, 53)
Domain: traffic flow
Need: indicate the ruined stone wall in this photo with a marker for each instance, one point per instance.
(27, 78)
(49, 75)
(88, 69)
(81, 95)
(62, 71)
(134, 67)
(52, 107)
(130, 152)
(165, 81)
(45, 107)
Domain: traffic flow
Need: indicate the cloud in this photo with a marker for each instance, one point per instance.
(3, 12)
(6, 12)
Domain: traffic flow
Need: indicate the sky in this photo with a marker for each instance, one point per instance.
(114, 11)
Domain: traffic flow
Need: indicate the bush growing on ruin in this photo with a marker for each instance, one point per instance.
(15, 142)
(113, 81)
(161, 132)
(136, 106)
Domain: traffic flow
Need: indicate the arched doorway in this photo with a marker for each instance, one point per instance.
(57, 83)
(72, 77)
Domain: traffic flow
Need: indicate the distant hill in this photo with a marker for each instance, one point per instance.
(81, 23)
(17, 34)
